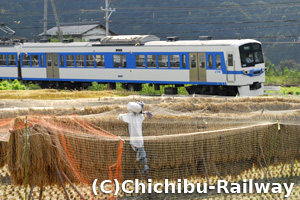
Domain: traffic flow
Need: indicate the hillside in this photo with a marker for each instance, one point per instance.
(265, 20)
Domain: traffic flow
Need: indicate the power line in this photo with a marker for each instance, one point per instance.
(226, 29)
(283, 4)
(231, 22)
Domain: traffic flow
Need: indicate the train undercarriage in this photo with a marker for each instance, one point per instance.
(212, 90)
(193, 89)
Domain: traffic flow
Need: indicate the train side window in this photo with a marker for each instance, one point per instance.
(11, 60)
(26, 61)
(99, 61)
(230, 60)
(119, 61)
(89, 61)
(183, 61)
(151, 61)
(62, 60)
(202, 60)
(210, 61)
(79, 61)
(3, 60)
(193, 60)
(140, 61)
(218, 61)
(70, 60)
(174, 61)
(34, 60)
(162, 61)
(42, 60)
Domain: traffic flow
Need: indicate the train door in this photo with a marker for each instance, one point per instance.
(52, 65)
(197, 67)
(230, 69)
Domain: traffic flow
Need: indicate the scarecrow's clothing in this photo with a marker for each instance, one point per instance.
(135, 128)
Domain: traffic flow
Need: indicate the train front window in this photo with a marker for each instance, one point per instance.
(258, 55)
(251, 54)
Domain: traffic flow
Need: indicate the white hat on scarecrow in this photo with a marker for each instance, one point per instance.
(135, 107)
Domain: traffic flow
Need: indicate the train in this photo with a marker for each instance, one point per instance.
(203, 66)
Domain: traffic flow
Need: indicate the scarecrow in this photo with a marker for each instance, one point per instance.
(135, 119)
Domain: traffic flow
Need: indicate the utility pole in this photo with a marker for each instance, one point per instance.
(56, 20)
(45, 16)
(108, 12)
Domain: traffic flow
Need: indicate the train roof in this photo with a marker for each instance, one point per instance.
(58, 44)
(202, 42)
(143, 40)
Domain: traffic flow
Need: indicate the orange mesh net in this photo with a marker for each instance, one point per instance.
(74, 144)
(197, 139)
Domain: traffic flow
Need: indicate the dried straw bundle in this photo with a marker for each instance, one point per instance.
(172, 150)
(227, 152)
(3, 153)
(82, 158)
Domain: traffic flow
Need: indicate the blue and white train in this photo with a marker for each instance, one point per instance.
(224, 67)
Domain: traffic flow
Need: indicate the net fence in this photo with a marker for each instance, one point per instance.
(198, 139)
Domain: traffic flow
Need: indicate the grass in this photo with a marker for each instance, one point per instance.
(287, 91)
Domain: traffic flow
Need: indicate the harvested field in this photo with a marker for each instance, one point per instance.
(196, 138)
(53, 94)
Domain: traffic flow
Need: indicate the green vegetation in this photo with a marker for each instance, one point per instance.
(97, 87)
(273, 77)
(282, 75)
(17, 85)
(146, 89)
(12, 85)
(289, 90)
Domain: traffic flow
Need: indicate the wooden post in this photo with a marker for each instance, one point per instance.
(30, 193)
(57, 170)
(41, 193)
(72, 185)
(206, 172)
(61, 180)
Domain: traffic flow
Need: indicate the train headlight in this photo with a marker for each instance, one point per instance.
(246, 72)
